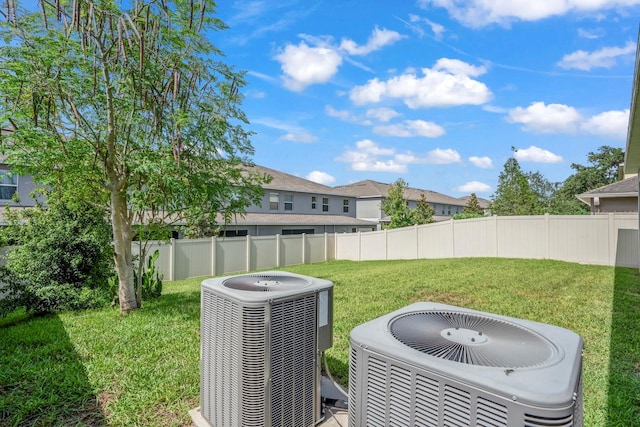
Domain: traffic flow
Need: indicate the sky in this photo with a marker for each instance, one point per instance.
(440, 93)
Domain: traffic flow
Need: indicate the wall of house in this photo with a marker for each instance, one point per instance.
(618, 204)
(591, 239)
(369, 208)
(302, 204)
(271, 230)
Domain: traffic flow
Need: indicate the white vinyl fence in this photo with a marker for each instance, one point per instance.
(591, 239)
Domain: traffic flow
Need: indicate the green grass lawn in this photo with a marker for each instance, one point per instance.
(100, 368)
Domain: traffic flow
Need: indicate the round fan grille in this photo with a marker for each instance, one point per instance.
(472, 339)
(265, 283)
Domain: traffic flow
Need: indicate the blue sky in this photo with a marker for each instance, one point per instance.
(436, 92)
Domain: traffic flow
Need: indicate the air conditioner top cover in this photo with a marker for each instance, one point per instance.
(504, 355)
(258, 287)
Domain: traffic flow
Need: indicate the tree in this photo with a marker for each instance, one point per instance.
(424, 212)
(473, 206)
(514, 196)
(397, 206)
(128, 108)
(603, 170)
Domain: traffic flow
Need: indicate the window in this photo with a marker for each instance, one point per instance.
(287, 232)
(345, 205)
(448, 210)
(8, 185)
(288, 202)
(313, 202)
(274, 201)
(325, 204)
(233, 233)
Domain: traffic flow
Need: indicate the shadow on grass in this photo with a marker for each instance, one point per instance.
(624, 365)
(42, 380)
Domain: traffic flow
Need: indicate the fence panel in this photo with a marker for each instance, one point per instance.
(315, 248)
(581, 239)
(263, 253)
(434, 240)
(191, 258)
(474, 237)
(231, 255)
(402, 243)
(373, 245)
(291, 250)
(521, 237)
(348, 246)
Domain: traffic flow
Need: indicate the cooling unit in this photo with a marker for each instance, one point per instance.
(261, 340)
(434, 365)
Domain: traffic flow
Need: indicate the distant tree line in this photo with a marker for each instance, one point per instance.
(518, 192)
(530, 193)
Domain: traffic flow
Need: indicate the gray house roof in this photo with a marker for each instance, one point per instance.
(369, 188)
(286, 182)
(625, 188)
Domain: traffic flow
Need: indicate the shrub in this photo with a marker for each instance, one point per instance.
(62, 259)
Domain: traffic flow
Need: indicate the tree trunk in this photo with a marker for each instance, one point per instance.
(122, 235)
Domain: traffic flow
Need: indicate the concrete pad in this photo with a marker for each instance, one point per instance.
(334, 417)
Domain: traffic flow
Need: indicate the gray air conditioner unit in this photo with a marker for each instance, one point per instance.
(434, 365)
(262, 336)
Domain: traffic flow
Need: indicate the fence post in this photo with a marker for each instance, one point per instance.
(415, 228)
(214, 247)
(172, 259)
(304, 248)
(248, 254)
(495, 234)
(277, 250)
(612, 240)
(359, 246)
(453, 239)
(326, 247)
(547, 236)
(386, 244)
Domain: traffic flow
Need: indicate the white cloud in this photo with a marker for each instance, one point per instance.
(437, 29)
(610, 125)
(494, 109)
(455, 66)
(479, 13)
(447, 84)
(536, 155)
(560, 118)
(367, 155)
(481, 162)
(541, 118)
(590, 34)
(320, 177)
(301, 136)
(303, 65)
(370, 147)
(378, 39)
(473, 187)
(602, 58)
(410, 128)
(345, 116)
(382, 114)
(293, 133)
(437, 157)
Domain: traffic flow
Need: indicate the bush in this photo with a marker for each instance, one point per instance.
(62, 259)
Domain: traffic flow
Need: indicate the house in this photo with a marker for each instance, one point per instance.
(294, 205)
(621, 196)
(370, 194)
(632, 151)
(15, 190)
